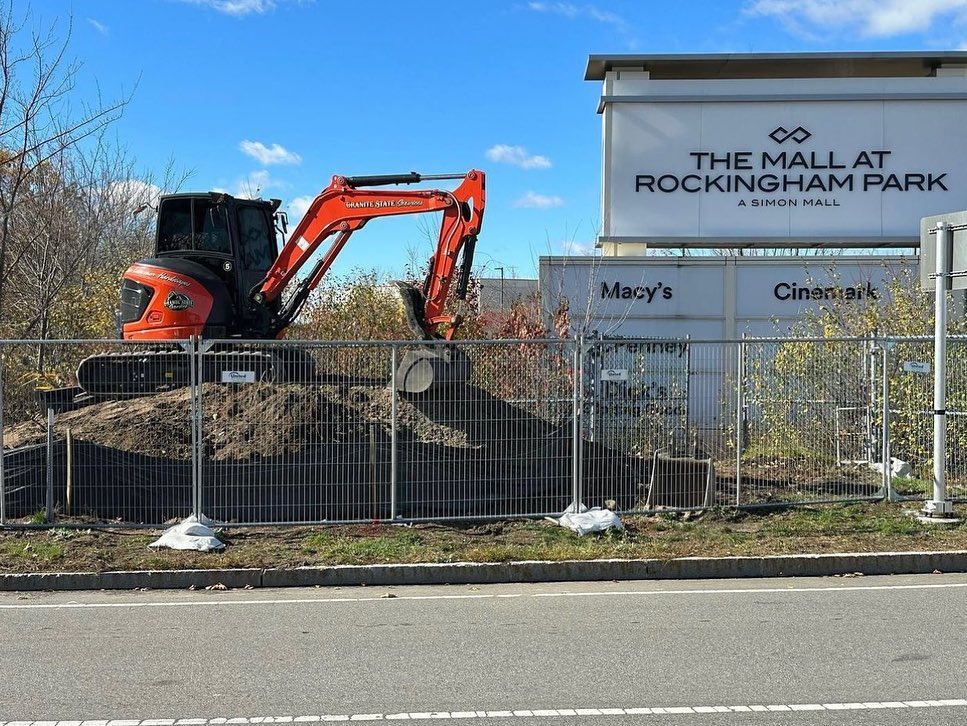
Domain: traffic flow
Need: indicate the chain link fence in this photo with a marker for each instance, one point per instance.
(309, 432)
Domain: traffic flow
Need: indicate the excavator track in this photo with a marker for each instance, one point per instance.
(129, 375)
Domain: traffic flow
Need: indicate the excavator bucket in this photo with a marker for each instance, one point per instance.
(437, 366)
(427, 366)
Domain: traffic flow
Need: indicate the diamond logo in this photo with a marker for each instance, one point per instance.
(781, 135)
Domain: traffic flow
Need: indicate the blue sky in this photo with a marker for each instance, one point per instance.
(279, 95)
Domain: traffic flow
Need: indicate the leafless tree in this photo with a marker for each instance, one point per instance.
(39, 131)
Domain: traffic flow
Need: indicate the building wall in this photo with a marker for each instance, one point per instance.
(708, 298)
(696, 299)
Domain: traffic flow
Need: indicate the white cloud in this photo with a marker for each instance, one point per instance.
(297, 209)
(99, 27)
(539, 201)
(577, 248)
(518, 156)
(572, 11)
(133, 193)
(274, 154)
(870, 18)
(238, 8)
(254, 185)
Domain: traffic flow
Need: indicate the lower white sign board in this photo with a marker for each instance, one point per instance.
(238, 376)
(915, 366)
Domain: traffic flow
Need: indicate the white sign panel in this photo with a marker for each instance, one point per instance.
(782, 170)
(238, 376)
(787, 290)
(612, 291)
(915, 366)
(614, 374)
(956, 240)
(711, 298)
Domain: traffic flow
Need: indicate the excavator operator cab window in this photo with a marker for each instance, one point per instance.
(174, 225)
(213, 236)
(192, 225)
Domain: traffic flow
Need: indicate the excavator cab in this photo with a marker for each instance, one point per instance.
(234, 241)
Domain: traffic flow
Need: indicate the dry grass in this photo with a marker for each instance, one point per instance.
(716, 533)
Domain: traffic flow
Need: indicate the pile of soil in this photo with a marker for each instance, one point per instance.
(320, 451)
(245, 421)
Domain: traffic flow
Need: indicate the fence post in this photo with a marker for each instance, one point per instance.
(739, 418)
(49, 508)
(3, 480)
(686, 428)
(577, 411)
(393, 481)
(886, 456)
(195, 352)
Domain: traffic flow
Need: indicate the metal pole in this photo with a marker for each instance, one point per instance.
(3, 489)
(393, 480)
(575, 424)
(939, 506)
(739, 419)
(194, 354)
(688, 395)
(50, 466)
(887, 456)
(373, 472)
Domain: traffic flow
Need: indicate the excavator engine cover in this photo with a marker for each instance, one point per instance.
(432, 366)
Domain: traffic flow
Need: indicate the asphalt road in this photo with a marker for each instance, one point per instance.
(862, 650)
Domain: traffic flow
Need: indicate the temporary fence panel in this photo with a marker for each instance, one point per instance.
(72, 456)
(295, 432)
(309, 431)
(911, 368)
(793, 389)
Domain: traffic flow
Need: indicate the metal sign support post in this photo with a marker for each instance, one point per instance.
(940, 506)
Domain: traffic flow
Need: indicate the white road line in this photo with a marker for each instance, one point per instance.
(520, 713)
(498, 596)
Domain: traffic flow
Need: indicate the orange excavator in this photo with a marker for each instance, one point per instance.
(217, 274)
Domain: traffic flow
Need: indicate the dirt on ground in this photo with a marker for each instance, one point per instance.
(321, 452)
(264, 420)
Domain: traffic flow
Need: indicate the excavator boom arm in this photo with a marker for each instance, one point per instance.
(343, 207)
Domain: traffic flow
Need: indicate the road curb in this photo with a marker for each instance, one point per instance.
(686, 568)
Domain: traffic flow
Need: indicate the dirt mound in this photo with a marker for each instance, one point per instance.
(322, 451)
(155, 425)
(259, 420)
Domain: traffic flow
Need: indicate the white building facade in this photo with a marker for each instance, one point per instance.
(827, 160)
(840, 154)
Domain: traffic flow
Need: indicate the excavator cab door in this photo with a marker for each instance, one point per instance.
(257, 249)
